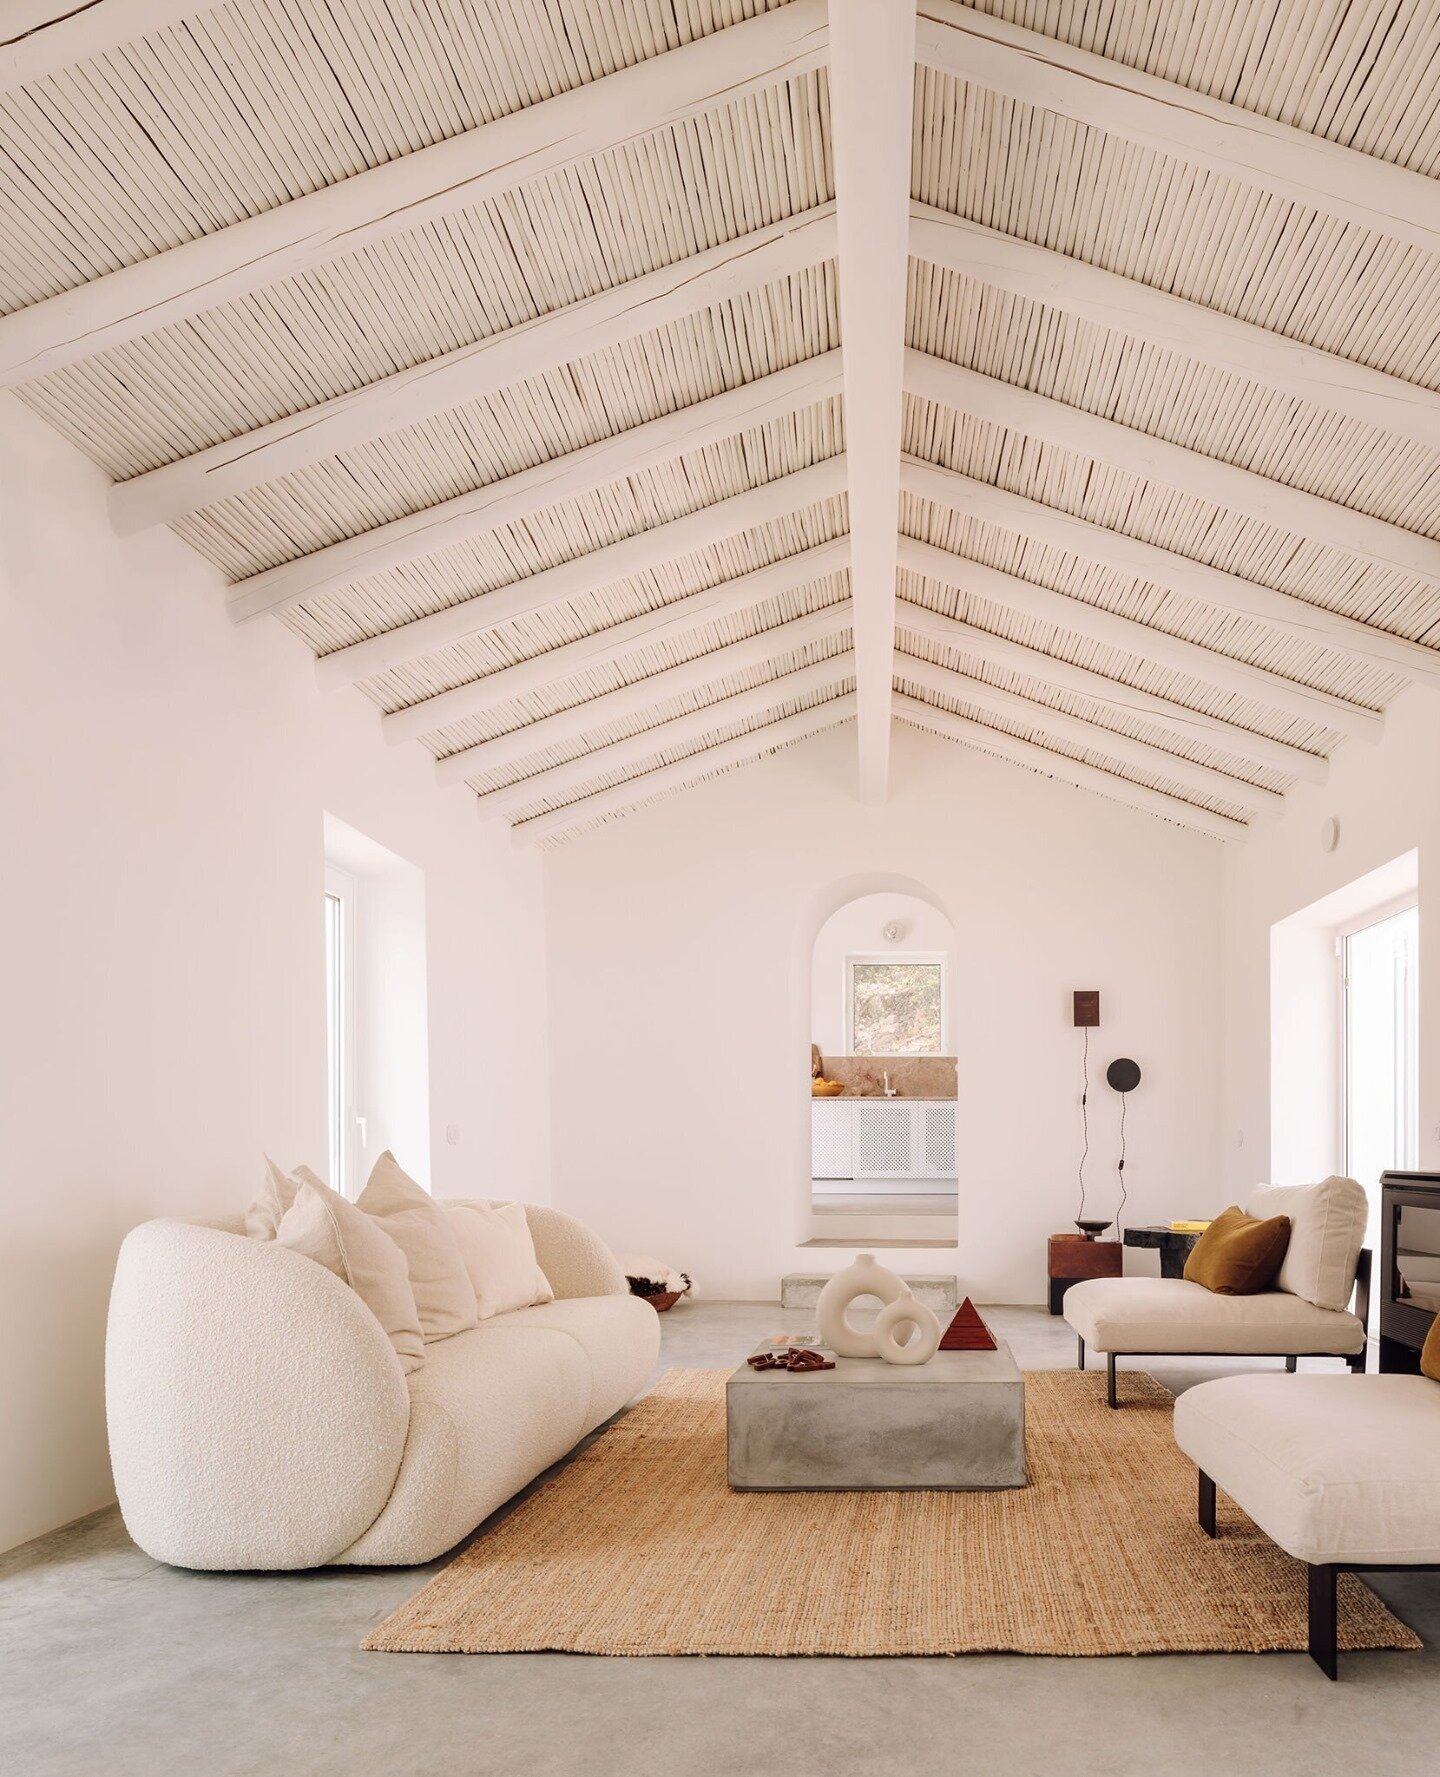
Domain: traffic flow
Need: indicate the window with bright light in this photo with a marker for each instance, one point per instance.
(896, 1006)
(340, 1027)
(1380, 982)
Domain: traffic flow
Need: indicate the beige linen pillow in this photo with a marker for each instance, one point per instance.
(421, 1229)
(1327, 1230)
(278, 1193)
(499, 1253)
(323, 1226)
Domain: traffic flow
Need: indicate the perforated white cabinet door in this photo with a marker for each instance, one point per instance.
(830, 1140)
(938, 1140)
(884, 1139)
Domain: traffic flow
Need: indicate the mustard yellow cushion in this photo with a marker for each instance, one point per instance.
(1430, 1352)
(1238, 1255)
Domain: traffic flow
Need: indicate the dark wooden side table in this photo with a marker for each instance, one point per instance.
(1174, 1248)
(1071, 1258)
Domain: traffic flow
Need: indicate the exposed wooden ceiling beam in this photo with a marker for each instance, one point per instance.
(160, 496)
(1163, 567)
(1068, 771)
(40, 37)
(697, 610)
(1179, 122)
(687, 771)
(677, 732)
(1173, 465)
(645, 694)
(872, 85)
(1141, 639)
(1175, 718)
(1203, 780)
(640, 554)
(1286, 366)
(515, 497)
(403, 194)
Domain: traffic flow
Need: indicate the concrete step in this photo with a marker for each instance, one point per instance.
(855, 1230)
(801, 1289)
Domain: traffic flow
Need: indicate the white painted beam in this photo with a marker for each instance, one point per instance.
(644, 694)
(518, 496)
(1179, 122)
(695, 611)
(677, 732)
(639, 554)
(1286, 366)
(406, 193)
(1173, 465)
(1069, 771)
(160, 496)
(1200, 779)
(1064, 675)
(40, 37)
(1112, 630)
(1149, 561)
(687, 771)
(872, 84)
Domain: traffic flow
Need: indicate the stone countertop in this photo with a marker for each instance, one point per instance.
(874, 1098)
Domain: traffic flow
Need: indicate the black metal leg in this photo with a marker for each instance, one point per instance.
(1110, 1379)
(1357, 1362)
(1207, 1504)
(1290, 1364)
(1322, 1617)
(1080, 1361)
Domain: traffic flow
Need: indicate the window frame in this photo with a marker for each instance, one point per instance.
(931, 958)
(341, 1122)
(1351, 928)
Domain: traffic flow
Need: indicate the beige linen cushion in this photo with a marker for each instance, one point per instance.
(422, 1230)
(322, 1226)
(276, 1195)
(499, 1254)
(1327, 1230)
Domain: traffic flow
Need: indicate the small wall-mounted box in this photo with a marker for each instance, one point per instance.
(1087, 1007)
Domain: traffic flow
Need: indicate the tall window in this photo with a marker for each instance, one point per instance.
(1380, 984)
(340, 1027)
(896, 1007)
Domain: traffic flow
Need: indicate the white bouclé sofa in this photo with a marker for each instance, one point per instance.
(260, 1419)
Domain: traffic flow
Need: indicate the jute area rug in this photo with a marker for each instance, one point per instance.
(638, 1546)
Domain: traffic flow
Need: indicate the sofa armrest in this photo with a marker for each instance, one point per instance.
(576, 1261)
(257, 1411)
(1361, 1298)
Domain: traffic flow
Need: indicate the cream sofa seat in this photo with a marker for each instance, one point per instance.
(1167, 1314)
(259, 1417)
(1334, 1469)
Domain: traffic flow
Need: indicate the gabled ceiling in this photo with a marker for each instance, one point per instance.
(508, 352)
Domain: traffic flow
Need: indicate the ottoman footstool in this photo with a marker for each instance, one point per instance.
(1343, 1474)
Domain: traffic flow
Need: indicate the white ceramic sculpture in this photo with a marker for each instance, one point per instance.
(897, 1318)
(863, 1278)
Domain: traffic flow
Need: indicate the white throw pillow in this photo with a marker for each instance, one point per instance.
(1327, 1230)
(499, 1253)
(421, 1229)
(320, 1224)
(277, 1194)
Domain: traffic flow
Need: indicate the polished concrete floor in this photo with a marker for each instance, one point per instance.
(112, 1666)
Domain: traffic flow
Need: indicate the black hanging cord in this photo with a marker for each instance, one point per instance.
(1124, 1100)
(1084, 1122)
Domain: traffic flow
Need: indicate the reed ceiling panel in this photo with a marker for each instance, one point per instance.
(245, 106)
(1146, 216)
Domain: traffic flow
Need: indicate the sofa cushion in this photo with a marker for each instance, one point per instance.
(1430, 1352)
(421, 1229)
(1167, 1314)
(620, 1335)
(1238, 1255)
(322, 1226)
(276, 1195)
(1333, 1468)
(499, 1254)
(1327, 1230)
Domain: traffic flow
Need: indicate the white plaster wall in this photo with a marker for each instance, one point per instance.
(858, 930)
(1387, 800)
(163, 782)
(679, 943)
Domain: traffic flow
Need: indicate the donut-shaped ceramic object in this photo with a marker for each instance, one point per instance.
(863, 1278)
(896, 1318)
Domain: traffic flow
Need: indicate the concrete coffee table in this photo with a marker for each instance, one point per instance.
(956, 1422)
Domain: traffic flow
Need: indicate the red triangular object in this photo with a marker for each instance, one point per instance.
(967, 1332)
